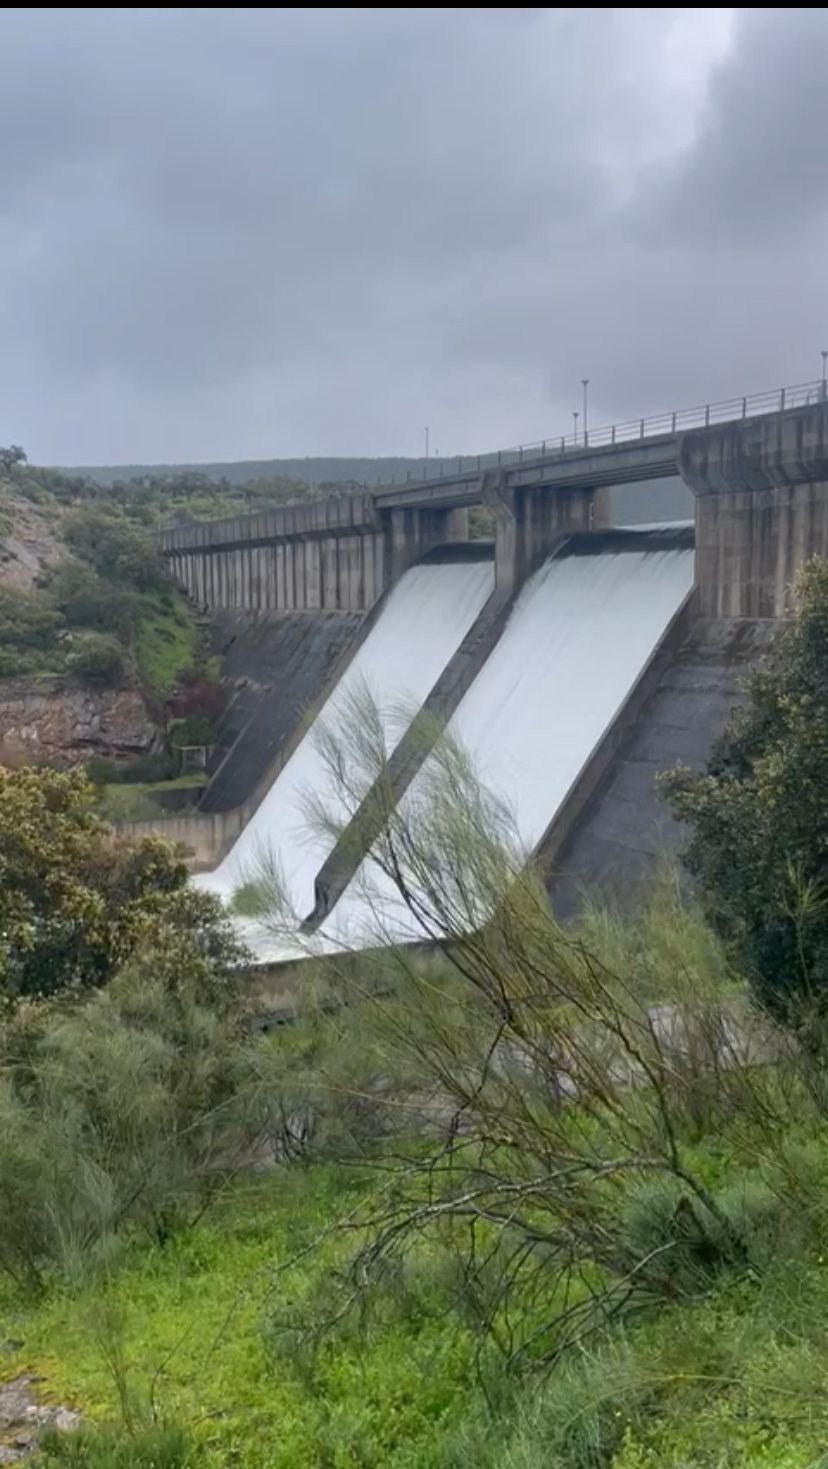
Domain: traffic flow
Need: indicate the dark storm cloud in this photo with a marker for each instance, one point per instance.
(758, 171)
(252, 233)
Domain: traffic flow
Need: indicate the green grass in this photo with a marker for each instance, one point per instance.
(732, 1381)
(131, 802)
(165, 641)
(196, 1322)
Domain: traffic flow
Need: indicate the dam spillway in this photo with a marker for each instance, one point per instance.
(580, 633)
(417, 631)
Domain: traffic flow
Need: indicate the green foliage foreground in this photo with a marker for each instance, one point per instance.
(758, 818)
(249, 1318)
(733, 1379)
(76, 903)
(552, 1199)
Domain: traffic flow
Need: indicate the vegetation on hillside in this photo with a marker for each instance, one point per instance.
(109, 582)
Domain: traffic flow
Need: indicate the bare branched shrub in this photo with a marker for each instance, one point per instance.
(560, 1077)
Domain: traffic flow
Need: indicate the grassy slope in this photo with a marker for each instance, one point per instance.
(30, 542)
(194, 1313)
(165, 641)
(735, 1381)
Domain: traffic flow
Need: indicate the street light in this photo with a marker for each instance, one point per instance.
(824, 378)
(585, 386)
(426, 434)
(575, 429)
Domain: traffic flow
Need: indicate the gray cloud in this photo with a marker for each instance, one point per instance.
(252, 233)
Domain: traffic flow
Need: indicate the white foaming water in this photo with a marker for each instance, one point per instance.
(421, 626)
(578, 637)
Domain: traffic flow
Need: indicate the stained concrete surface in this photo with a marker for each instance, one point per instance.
(277, 663)
(626, 830)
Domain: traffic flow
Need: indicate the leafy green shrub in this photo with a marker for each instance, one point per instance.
(86, 600)
(686, 1248)
(125, 1110)
(158, 1447)
(74, 902)
(118, 550)
(758, 817)
(119, 803)
(196, 729)
(27, 621)
(97, 658)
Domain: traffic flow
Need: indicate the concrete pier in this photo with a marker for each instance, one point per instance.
(761, 491)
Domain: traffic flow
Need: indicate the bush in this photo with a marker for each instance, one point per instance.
(97, 659)
(75, 902)
(196, 729)
(87, 601)
(117, 549)
(158, 1447)
(758, 817)
(198, 694)
(27, 621)
(127, 1109)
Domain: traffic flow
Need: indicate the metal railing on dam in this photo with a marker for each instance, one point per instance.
(635, 431)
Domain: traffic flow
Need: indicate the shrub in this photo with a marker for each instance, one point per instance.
(75, 902)
(198, 694)
(27, 621)
(758, 817)
(97, 659)
(126, 1109)
(87, 600)
(196, 729)
(158, 1447)
(117, 549)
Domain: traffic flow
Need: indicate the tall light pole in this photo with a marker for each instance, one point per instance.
(824, 378)
(426, 434)
(585, 386)
(575, 427)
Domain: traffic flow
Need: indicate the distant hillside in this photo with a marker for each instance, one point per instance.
(243, 471)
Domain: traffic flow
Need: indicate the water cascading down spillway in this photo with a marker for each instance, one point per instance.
(418, 630)
(579, 635)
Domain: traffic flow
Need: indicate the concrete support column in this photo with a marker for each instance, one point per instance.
(529, 522)
(410, 533)
(761, 492)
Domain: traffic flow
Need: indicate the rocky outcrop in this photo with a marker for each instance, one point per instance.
(54, 720)
(23, 1417)
(29, 546)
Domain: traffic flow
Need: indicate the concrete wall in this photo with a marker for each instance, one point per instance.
(761, 491)
(624, 829)
(336, 554)
(275, 664)
(530, 520)
(205, 837)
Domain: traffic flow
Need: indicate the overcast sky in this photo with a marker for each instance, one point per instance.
(236, 234)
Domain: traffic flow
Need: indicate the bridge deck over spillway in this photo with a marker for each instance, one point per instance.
(619, 453)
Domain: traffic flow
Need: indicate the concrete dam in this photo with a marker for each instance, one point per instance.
(572, 657)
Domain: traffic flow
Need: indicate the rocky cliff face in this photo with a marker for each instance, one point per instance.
(53, 720)
(28, 543)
